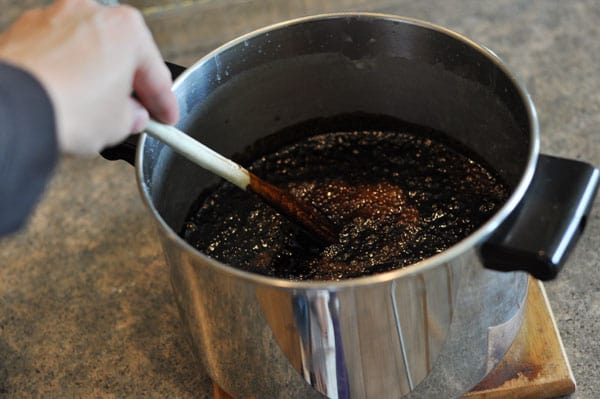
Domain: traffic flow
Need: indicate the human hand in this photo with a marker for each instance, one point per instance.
(90, 58)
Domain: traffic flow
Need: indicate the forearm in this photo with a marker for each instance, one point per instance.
(28, 145)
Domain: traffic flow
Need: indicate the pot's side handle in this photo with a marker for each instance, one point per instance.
(126, 150)
(538, 236)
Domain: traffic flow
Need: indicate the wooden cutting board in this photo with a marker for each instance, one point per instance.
(535, 366)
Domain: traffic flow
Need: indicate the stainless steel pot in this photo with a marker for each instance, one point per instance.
(433, 329)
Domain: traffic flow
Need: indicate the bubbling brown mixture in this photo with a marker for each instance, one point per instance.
(396, 197)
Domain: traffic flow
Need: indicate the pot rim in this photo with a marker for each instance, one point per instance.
(471, 241)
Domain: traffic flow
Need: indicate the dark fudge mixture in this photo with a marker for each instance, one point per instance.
(397, 197)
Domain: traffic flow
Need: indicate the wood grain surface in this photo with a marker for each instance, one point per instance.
(536, 365)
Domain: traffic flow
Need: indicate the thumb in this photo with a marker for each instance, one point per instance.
(140, 116)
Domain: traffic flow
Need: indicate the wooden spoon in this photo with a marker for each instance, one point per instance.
(305, 215)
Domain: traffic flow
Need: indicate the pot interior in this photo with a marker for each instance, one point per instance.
(334, 65)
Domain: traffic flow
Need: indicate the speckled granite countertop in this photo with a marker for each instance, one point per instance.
(86, 308)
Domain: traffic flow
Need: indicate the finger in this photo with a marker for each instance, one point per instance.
(130, 119)
(152, 80)
(152, 85)
(139, 115)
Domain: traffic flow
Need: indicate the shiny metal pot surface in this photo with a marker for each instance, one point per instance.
(433, 329)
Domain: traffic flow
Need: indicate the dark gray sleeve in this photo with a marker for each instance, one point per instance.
(28, 145)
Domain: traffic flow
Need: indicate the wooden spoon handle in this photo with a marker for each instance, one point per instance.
(305, 215)
(299, 212)
(199, 153)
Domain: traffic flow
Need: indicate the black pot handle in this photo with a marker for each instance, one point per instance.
(126, 150)
(539, 234)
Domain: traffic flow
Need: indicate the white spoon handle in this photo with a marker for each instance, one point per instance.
(199, 153)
